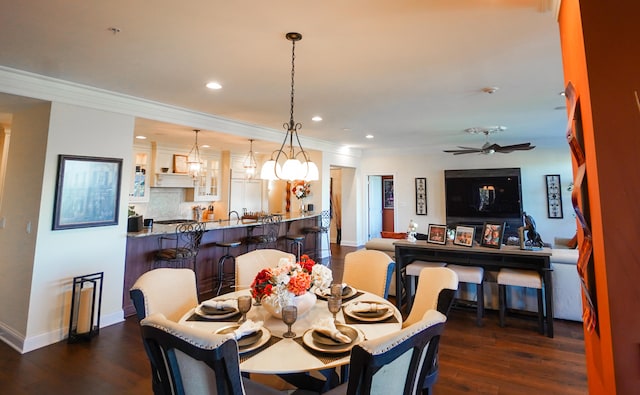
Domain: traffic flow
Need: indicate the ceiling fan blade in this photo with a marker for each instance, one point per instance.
(515, 147)
(463, 151)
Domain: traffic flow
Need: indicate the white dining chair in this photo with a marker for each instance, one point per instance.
(436, 290)
(368, 270)
(193, 361)
(397, 363)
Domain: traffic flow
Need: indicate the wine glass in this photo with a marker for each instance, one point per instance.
(244, 305)
(336, 290)
(334, 303)
(289, 316)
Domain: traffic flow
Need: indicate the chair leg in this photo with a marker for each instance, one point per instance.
(541, 312)
(480, 303)
(502, 296)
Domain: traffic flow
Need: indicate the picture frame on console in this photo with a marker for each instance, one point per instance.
(464, 236)
(437, 234)
(492, 234)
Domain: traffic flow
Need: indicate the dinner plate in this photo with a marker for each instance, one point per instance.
(308, 340)
(249, 342)
(347, 292)
(222, 314)
(367, 315)
(321, 338)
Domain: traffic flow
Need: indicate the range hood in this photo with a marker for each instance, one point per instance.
(172, 180)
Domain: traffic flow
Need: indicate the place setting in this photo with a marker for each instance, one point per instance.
(250, 335)
(216, 310)
(367, 311)
(344, 290)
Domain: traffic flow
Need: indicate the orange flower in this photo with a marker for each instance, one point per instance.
(299, 284)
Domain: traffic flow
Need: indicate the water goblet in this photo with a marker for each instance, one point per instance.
(244, 305)
(334, 303)
(336, 290)
(289, 316)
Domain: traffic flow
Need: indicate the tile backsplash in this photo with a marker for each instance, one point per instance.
(166, 203)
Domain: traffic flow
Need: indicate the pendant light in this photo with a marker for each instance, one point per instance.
(249, 163)
(194, 163)
(297, 165)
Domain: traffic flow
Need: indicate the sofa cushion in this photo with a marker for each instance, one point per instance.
(560, 255)
(381, 244)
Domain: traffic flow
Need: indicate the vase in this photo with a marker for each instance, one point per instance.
(302, 206)
(304, 303)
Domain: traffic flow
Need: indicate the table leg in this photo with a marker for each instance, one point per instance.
(548, 299)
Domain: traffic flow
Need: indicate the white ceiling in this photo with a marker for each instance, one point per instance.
(409, 72)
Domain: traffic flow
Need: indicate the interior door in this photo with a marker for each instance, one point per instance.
(375, 206)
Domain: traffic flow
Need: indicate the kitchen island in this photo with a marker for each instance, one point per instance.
(142, 246)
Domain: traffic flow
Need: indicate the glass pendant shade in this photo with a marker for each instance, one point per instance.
(310, 171)
(292, 170)
(269, 170)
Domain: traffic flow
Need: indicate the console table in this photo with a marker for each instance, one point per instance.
(491, 259)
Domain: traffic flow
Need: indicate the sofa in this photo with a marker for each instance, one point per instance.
(567, 297)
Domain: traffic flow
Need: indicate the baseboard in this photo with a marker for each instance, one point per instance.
(24, 345)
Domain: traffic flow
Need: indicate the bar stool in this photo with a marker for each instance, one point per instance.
(323, 228)
(413, 270)
(520, 278)
(296, 243)
(222, 277)
(180, 250)
(473, 275)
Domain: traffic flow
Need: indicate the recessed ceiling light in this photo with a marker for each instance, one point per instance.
(317, 118)
(139, 137)
(214, 85)
(369, 136)
(205, 146)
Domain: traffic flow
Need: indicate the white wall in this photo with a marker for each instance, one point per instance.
(47, 271)
(534, 166)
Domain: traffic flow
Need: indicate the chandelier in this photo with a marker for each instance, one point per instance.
(297, 165)
(249, 163)
(194, 163)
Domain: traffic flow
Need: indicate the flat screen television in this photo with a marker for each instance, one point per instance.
(476, 196)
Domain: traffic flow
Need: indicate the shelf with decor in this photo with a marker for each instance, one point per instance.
(139, 188)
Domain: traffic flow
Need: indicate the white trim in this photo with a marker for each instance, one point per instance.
(22, 83)
(18, 342)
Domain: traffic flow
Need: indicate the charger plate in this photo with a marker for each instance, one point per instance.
(368, 316)
(309, 340)
(249, 342)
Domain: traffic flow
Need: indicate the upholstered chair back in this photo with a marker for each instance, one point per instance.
(435, 291)
(396, 363)
(248, 265)
(193, 361)
(368, 270)
(171, 292)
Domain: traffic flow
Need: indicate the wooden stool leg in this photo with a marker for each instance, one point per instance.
(541, 312)
(502, 292)
(480, 303)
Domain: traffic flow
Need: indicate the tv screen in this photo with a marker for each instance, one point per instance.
(483, 194)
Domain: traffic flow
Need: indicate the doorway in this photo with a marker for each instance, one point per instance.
(381, 201)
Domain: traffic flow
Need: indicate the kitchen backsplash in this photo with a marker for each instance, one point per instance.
(166, 203)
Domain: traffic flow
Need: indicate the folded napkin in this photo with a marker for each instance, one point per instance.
(365, 307)
(248, 327)
(219, 304)
(327, 327)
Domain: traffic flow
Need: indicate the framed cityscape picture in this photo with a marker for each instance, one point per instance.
(87, 192)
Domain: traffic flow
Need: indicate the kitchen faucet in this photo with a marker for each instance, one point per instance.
(236, 213)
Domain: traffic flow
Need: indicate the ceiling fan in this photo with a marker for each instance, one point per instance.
(490, 148)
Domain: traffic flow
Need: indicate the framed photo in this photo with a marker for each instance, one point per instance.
(87, 192)
(554, 196)
(421, 196)
(437, 234)
(492, 234)
(387, 191)
(180, 164)
(464, 236)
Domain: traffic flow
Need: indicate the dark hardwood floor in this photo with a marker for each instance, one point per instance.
(473, 360)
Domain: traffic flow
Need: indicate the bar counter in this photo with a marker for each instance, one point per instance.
(142, 247)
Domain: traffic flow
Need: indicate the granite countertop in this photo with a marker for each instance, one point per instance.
(159, 229)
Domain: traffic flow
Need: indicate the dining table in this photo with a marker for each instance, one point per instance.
(268, 352)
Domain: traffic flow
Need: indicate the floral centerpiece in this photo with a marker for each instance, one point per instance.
(280, 286)
(301, 189)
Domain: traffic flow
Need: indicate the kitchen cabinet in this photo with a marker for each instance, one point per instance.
(206, 187)
(139, 187)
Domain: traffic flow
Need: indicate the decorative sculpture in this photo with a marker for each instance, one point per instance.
(533, 237)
